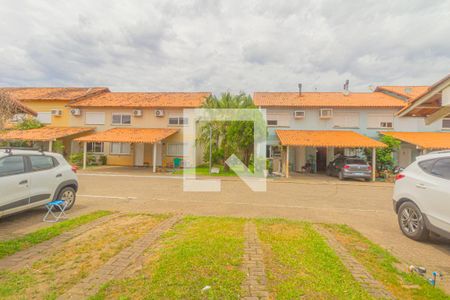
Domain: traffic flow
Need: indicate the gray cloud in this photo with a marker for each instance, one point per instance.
(223, 45)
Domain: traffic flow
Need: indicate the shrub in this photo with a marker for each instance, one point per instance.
(77, 159)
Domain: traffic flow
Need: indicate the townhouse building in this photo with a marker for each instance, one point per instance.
(308, 129)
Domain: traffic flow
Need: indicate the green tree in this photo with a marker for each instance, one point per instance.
(228, 137)
(28, 123)
(385, 158)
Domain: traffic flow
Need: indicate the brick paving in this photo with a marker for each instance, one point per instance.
(370, 284)
(254, 287)
(118, 264)
(29, 256)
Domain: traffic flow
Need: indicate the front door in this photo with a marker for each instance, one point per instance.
(321, 159)
(139, 155)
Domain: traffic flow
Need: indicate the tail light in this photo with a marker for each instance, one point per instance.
(399, 176)
(346, 167)
(74, 169)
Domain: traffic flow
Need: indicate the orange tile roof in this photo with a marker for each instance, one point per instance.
(326, 99)
(123, 99)
(409, 92)
(43, 134)
(326, 138)
(60, 93)
(129, 135)
(425, 140)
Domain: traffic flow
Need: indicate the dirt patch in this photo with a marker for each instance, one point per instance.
(81, 255)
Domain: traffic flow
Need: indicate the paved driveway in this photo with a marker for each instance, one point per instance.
(365, 206)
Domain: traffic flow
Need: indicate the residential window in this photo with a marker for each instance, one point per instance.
(380, 121)
(272, 122)
(178, 121)
(120, 148)
(273, 151)
(121, 119)
(346, 120)
(446, 123)
(279, 119)
(175, 149)
(18, 118)
(94, 118)
(326, 113)
(44, 117)
(95, 147)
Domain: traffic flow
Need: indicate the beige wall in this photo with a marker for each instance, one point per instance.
(147, 120)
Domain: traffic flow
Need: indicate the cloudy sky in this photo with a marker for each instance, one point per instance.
(230, 45)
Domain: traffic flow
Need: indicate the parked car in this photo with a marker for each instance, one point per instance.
(350, 167)
(422, 196)
(31, 178)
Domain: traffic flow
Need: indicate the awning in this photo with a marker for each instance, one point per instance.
(425, 140)
(129, 135)
(43, 133)
(326, 138)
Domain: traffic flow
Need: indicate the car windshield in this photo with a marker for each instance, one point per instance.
(355, 161)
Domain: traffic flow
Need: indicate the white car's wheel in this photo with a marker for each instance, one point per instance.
(411, 222)
(68, 194)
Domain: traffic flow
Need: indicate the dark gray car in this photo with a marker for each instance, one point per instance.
(350, 167)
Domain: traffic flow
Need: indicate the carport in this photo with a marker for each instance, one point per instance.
(46, 134)
(324, 142)
(418, 143)
(132, 136)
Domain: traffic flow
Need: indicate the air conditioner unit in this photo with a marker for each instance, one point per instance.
(159, 113)
(326, 113)
(299, 114)
(75, 112)
(56, 112)
(137, 112)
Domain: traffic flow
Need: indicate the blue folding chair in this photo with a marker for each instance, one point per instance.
(54, 216)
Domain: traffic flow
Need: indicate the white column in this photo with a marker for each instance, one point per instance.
(374, 163)
(84, 155)
(287, 161)
(154, 157)
(50, 146)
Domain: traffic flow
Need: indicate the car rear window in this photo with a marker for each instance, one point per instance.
(12, 165)
(354, 161)
(41, 162)
(442, 168)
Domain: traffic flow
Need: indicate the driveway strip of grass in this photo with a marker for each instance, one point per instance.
(198, 252)
(76, 258)
(381, 264)
(12, 246)
(300, 264)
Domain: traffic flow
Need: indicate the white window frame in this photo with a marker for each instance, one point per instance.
(121, 119)
(303, 112)
(346, 119)
(44, 117)
(181, 121)
(121, 150)
(281, 118)
(328, 116)
(102, 146)
(445, 128)
(179, 152)
(94, 118)
(272, 152)
(381, 118)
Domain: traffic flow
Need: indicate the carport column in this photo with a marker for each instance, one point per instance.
(154, 157)
(50, 146)
(84, 155)
(287, 161)
(374, 163)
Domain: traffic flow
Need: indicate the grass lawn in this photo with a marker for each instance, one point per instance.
(198, 252)
(381, 264)
(300, 264)
(57, 271)
(12, 246)
(203, 170)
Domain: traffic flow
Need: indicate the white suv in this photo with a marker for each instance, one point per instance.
(30, 178)
(422, 196)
